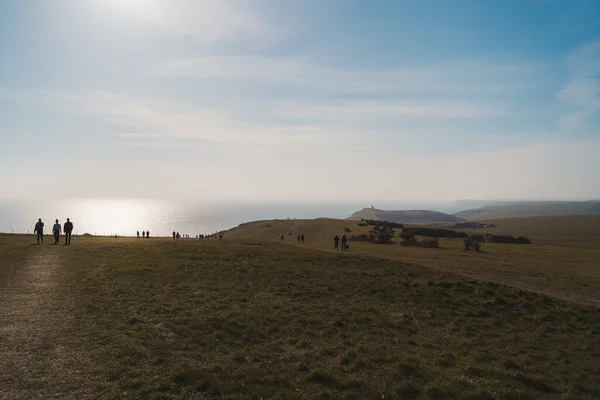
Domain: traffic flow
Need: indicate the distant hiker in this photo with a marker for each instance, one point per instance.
(282, 237)
(302, 238)
(298, 239)
(174, 233)
(344, 240)
(177, 235)
(143, 234)
(147, 234)
(138, 234)
(336, 242)
(220, 236)
(39, 229)
(56, 230)
(68, 228)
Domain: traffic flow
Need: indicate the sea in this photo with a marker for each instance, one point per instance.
(125, 216)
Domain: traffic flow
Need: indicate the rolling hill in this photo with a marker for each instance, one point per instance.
(531, 209)
(404, 215)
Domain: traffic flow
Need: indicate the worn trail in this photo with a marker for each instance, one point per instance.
(35, 352)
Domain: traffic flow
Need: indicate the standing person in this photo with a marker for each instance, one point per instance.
(147, 234)
(344, 240)
(143, 235)
(138, 234)
(298, 238)
(302, 238)
(68, 230)
(174, 235)
(39, 230)
(336, 242)
(56, 230)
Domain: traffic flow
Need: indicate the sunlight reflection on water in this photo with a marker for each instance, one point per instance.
(124, 216)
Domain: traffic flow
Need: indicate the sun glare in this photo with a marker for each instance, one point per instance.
(114, 216)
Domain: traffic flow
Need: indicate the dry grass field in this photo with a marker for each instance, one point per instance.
(250, 317)
(562, 262)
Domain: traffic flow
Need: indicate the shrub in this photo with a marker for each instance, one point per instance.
(432, 232)
(381, 235)
(472, 243)
(360, 238)
(427, 243)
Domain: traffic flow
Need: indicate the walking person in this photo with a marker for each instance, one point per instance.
(138, 234)
(298, 239)
(143, 235)
(174, 233)
(147, 234)
(68, 230)
(56, 230)
(344, 240)
(39, 230)
(302, 238)
(336, 242)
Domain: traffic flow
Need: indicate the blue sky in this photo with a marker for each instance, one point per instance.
(300, 100)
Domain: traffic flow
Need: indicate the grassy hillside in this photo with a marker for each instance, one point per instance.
(407, 216)
(574, 230)
(562, 262)
(126, 318)
(532, 209)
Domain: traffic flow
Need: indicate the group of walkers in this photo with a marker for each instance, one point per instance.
(300, 238)
(202, 236)
(344, 240)
(145, 235)
(57, 229)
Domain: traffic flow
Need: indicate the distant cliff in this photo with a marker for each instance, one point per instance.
(404, 215)
(531, 209)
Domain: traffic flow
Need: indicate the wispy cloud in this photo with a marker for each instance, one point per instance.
(582, 91)
(206, 21)
(450, 77)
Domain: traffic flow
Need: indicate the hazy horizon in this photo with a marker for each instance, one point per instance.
(300, 101)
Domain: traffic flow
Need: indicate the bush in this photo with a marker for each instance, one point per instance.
(505, 239)
(383, 224)
(427, 243)
(360, 238)
(433, 233)
(381, 235)
(472, 243)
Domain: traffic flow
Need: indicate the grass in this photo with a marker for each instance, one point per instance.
(188, 319)
(562, 262)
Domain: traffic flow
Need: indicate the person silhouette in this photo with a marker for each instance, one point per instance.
(174, 233)
(336, 242)
(138, 234)
(344, 240)
(302, 238)
(298, 239)
(143, 235)
(68, 230)
(147, 234)
(39, 230)
(56, 230)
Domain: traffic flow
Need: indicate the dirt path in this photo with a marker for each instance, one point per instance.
(35, 357)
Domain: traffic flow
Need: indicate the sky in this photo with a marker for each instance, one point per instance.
(300, 100)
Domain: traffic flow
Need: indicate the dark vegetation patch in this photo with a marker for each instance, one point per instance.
(382, 224)
(432, 233)
(191, 319)
(470, 225)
